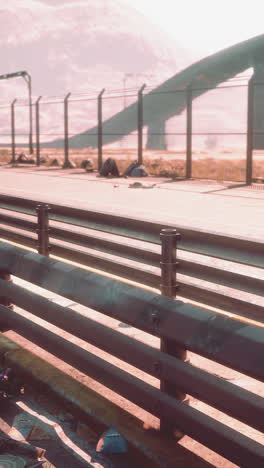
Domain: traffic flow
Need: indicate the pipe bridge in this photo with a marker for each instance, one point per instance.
(159, 106)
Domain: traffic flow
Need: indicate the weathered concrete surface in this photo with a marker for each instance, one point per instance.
(199, 204)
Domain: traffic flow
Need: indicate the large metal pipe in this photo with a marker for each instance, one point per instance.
(212, 335)
(208, 431)
(231, 399)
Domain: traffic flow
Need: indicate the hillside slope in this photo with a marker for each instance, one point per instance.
(76, 45)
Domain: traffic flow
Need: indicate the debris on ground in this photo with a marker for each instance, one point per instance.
(54, 163)
(140, 185)
(23, 159)
(111, 441)
(10, 384)
(109, 168)
(135, 170)
(87, 164)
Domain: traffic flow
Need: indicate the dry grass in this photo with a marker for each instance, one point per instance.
(169, 164)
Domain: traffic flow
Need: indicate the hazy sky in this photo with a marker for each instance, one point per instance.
(205, 26)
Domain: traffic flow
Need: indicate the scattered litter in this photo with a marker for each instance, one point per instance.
(124, 325)
(87, 164)
(10, 385)
(139, 171)
(109, 168)
(111, 442)
(22, 158)
(140, 185)
(54, 163)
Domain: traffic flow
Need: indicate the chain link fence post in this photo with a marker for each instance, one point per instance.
(13, 132)
(140, 125)
(189, 133)
(37, 132)
(250, 126)
(67, 163)
(100, 129)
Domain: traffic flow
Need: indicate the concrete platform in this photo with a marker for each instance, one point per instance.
(222, 207)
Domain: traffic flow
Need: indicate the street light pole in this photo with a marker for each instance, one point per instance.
(27, 78)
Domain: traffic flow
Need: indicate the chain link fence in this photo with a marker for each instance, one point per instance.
(193, 133)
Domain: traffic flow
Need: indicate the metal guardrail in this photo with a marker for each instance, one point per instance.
(230, 342)
(110, 243)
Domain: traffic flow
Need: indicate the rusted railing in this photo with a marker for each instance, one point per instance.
(233, 343)
(217, 270)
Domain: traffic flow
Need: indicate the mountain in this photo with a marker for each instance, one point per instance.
(69, 45)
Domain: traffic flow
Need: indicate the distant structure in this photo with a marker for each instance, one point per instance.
(159, 105)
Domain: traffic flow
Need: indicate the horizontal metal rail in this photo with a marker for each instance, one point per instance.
(211, 335)
(231, 399)
(140, 275)
(230, 248)
(199, 293)
(17, 222)
(17, 237)
(147, 256)
(116, 267)
(206, 430)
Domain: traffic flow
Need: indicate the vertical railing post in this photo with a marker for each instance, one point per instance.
(188, 133)
(250, 125)
(43, 229)
(13, 134)
(37, 132)
(168, 287)
(140, 124)
(4, 300)
(67, 164)
(100, 129)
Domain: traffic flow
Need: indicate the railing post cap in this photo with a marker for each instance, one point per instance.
(170, 232)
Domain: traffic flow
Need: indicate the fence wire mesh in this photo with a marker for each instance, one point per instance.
(219, 129)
